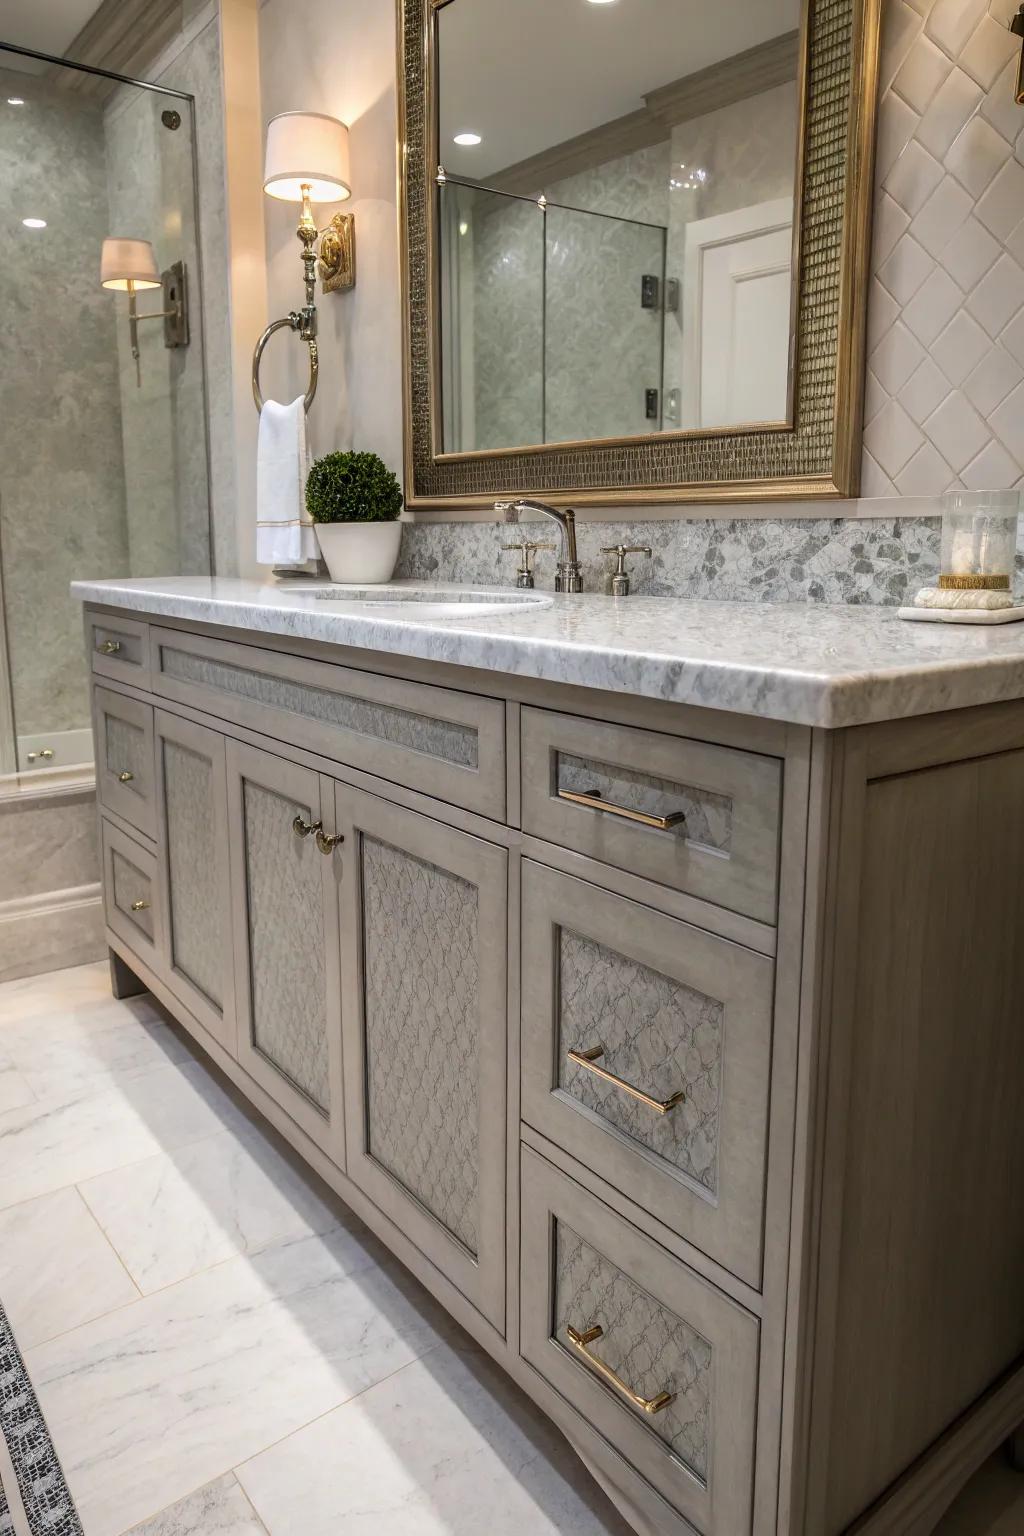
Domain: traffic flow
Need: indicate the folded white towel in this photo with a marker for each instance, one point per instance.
(284, 529)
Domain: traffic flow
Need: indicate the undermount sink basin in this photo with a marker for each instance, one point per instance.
(429, 602)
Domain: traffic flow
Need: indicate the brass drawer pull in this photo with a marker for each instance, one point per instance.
(140, 906)
(588, 1059)
(304, 828)
(591, 798)
(124, 777)
(579, 1342)
(110, 647)
(328, 841)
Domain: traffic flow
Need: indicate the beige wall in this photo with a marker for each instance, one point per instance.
(338, 56)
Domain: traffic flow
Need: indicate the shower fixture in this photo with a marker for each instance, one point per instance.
(129, 266)
(307, 161)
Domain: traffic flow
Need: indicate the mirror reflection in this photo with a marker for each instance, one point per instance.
(615, 217)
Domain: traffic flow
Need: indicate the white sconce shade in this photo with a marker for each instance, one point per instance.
(128, 261)
(307, 148)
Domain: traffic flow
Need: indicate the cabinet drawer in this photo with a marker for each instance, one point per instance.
(119, 649)
(436, 740)
(665, 1094)
(124, 757)
(131, 892)
(701, 818)
(656, 1359)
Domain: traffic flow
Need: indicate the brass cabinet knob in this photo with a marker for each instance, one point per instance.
(304, 828)
(140, 906)
(125, 777)
(45, 753)
(110, 647)
(328, 841)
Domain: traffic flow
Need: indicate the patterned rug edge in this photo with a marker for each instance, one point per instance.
(44, 1493)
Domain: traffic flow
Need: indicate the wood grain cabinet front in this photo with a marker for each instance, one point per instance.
(131, 893)
(700, 818)
(662, 1364)
(123, 729)
(284, 907)
(646, 1052)
(424, 933)
(192, 846)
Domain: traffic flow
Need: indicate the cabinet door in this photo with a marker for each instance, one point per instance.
(284, 906)
(423, 925)
(192, 857)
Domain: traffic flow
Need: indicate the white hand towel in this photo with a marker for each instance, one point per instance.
(284, 529)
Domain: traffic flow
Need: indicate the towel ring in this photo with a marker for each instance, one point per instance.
(294, 322)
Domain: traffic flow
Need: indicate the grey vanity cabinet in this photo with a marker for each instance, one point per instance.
(646, 1053)
(192, 849)
(284, 903)
(423, 938)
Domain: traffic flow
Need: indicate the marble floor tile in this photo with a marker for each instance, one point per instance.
(173, 1215)
(446, 1447)
(219, 1509)
(45, 1146)
(14, 1088)
(88, 1046)
(54, 991)
(57, 1270)
(169, 1393)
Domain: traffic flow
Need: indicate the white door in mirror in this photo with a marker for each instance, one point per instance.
(738, 294)
(360, 551)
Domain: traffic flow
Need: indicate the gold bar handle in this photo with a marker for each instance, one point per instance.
(140, 906)
(110, 647)
(125, 777)
(580, 1341)
(591, 798)
(589, 1059)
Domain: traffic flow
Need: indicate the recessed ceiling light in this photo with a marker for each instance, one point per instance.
(467, 138)
(602, 2)
(34, 223)
(15, 101)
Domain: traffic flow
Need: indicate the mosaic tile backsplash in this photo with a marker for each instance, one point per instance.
(824, 560)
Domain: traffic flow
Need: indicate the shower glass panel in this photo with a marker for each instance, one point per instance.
(551, 321)
(103, 455)
(604, 280)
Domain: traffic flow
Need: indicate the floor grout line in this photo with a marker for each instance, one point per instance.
(110, 1244)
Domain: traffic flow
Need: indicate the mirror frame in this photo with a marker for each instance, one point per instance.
(816, 455)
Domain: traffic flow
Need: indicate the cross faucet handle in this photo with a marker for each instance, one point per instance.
(620, 576)
(526, 550)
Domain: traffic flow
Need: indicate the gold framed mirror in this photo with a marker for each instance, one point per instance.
(635, 240)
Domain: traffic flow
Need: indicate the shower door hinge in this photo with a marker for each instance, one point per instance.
(649, 291)
(651, 404)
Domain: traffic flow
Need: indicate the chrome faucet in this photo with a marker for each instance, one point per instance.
(569, 577)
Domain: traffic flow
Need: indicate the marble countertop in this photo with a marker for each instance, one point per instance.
(808, 664)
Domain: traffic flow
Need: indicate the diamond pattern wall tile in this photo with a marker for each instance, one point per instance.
(946, 310)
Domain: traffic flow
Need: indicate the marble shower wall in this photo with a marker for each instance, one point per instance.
(62, 491)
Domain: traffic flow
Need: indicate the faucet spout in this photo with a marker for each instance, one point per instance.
(569, 577)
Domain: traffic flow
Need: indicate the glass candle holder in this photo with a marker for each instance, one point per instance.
(979, 540)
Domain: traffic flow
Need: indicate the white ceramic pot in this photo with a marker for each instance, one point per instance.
(360, 552)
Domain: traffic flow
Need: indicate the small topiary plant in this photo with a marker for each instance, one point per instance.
(352, 488)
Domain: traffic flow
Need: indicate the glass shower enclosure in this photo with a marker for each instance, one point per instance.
(103, 422)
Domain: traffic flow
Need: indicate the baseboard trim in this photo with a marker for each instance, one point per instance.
(51, 930)
(915, 1504)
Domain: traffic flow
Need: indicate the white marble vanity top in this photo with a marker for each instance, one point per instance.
(809, 664)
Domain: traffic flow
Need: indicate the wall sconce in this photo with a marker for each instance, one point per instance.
(307, 161)
(129, 266)
(1017, 27)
